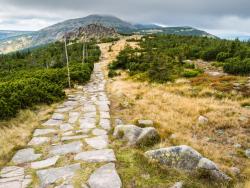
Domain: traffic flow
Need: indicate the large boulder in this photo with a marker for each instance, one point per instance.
(137, 136)
(186, 158)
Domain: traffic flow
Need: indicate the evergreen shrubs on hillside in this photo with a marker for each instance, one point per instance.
(40, 75)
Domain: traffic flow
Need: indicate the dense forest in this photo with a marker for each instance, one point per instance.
(162, 58)
(39, 75)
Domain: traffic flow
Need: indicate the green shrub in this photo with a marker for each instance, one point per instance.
(112, 73)
(237, 66)
(190, 73)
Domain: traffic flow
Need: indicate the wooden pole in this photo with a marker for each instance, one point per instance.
(67, 59)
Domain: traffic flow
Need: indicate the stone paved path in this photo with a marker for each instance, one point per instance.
(76, 134)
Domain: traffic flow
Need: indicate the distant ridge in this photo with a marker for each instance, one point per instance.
(56, 31)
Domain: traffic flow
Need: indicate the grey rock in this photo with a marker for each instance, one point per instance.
(202, 120)
(145, 123)
(105, 155)
(105, 124)
(13, 177)
(73, 117)
(40, 132)
(105, 177)
(77, 137)
(73, 147)
(38, 140)
(104, 115)
(247, 153)
(177, 185)
(25, 155)
(237, 145)
(58, 116)
(118, 122)
(65, 127)
(52, 122)
(187, 159)
(99, 132)
(137, 136)
(45, 163)
(181, 157)
(52, 175)
(98, 142)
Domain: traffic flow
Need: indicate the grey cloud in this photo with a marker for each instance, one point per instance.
(207, 14)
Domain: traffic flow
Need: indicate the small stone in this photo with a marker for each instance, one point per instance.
(98, 142)
(66, 127)
(73, 147)
(25, 155)
(77, 137)
(105, 177)
(237, 145)
(177, 185)
(202, 120)
(205, 163)
(52, 122)
(118, 122)
(145, 123)
(235, 171)
(38, 140)
(247, 152)
(58, 116)
(45, 163)
(105, 155)
(73, 117)
(105, 124)
(49, 176)
(40, 132)
(99, 132)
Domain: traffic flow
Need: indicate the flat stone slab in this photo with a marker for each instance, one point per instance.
(105, 177)
(38, 140)
(25, 155)
(105, 155)
(99, 132)
(52, 122)
(98, 142)
(73, 117)
(105, 124)
(73, 147)
(89, 115)
(87, 123)
(64, 109)
(58, 116)
(89, 108)
(77, 137)
(104, 115)
(40, 132)
(45, 163)
(52, 175)
(13, 177)
(65, 127)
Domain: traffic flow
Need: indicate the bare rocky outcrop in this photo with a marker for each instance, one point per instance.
(186, 158)
(96, 31)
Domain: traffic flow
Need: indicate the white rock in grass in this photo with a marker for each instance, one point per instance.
(247, 152)
(58, 116)
(65, 127)
(73, 147)
(40, 132)
(38, 140)
(25, 155)
(98, 142)
(177, 185)
(52, 122)
(99, 132)
(105, 155)
(45, 163)
(202, 120)
(50, 176)
(105, 177)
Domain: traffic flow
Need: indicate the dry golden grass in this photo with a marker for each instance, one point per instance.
(15, 133)
(176, 110)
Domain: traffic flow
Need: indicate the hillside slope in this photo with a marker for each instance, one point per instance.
(55, 32)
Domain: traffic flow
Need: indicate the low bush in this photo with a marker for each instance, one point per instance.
(190, 73)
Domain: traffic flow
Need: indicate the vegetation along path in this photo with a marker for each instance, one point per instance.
(72, 148)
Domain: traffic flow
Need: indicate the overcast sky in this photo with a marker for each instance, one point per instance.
(214, 16)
